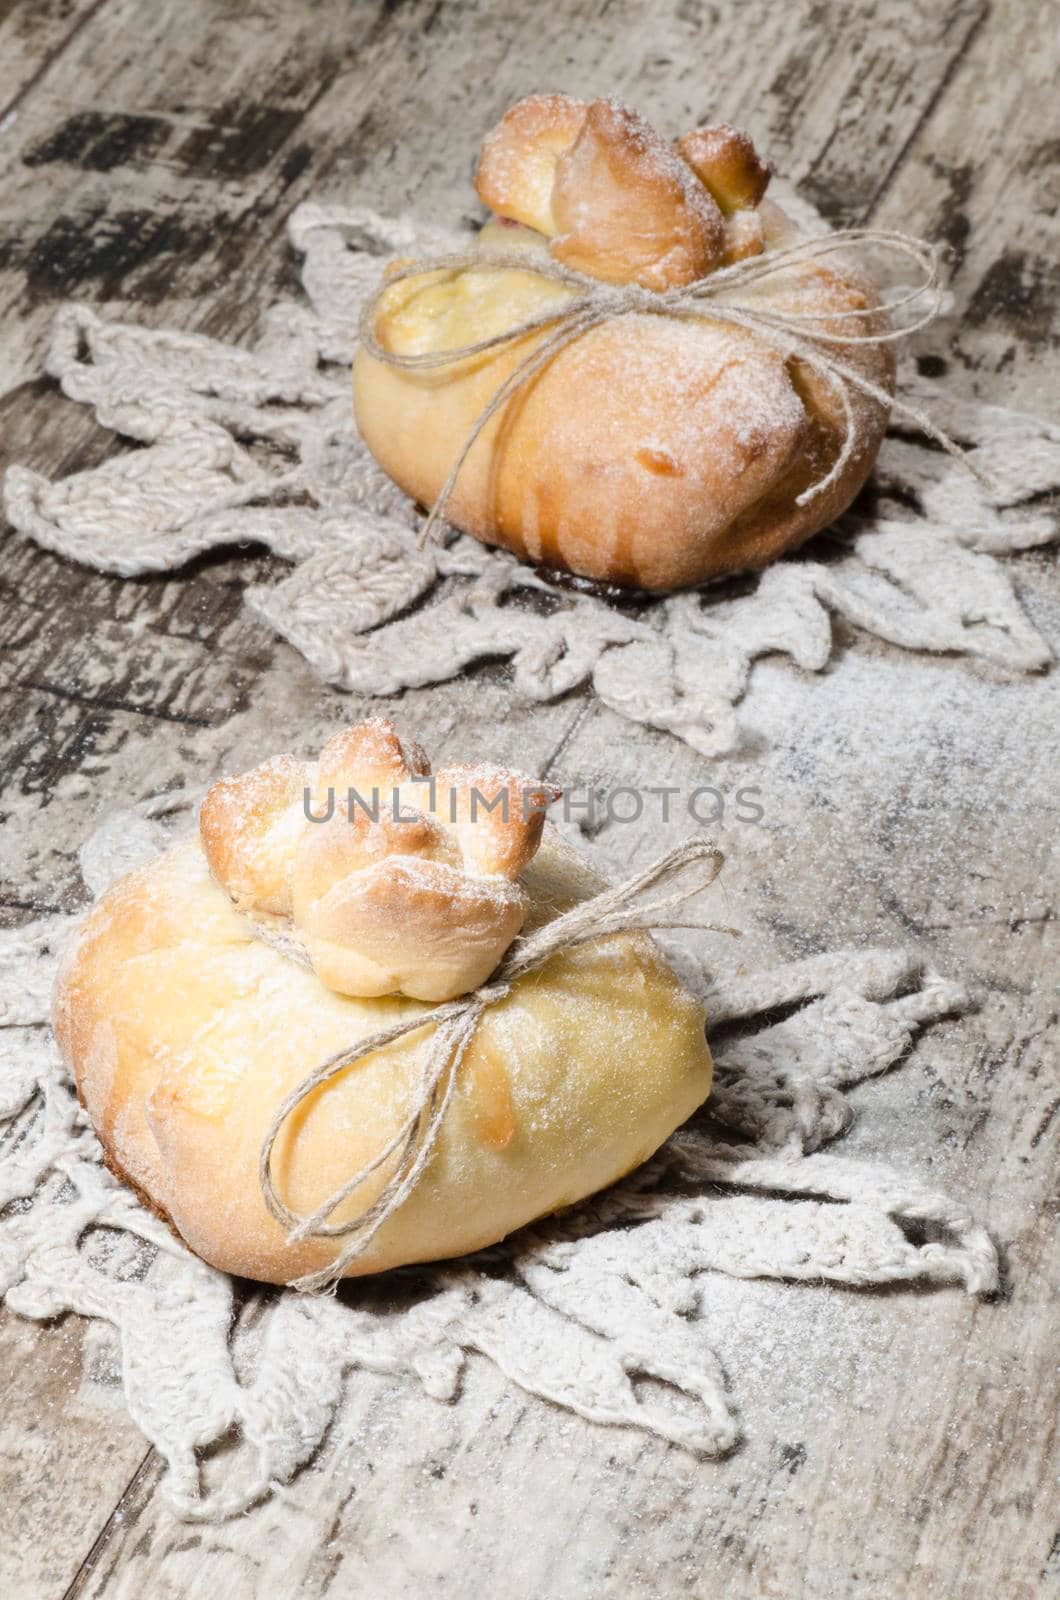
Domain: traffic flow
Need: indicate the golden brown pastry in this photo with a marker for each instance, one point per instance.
(654, 451)
(396, 882)
(185, 1031)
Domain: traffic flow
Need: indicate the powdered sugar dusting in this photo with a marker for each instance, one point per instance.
(407, 886)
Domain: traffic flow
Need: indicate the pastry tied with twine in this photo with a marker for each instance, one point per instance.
(451, 1027)
(621, 450)
(723, 296)
(387, 879)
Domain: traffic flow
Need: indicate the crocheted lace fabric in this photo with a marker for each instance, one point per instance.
(602, 1310)
(579, 1310)
(258, 447)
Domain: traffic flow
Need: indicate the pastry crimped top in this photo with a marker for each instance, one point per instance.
(615, 200)
(396, 881)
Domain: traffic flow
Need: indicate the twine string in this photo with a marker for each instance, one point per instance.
(723, 296)
(452, 1027)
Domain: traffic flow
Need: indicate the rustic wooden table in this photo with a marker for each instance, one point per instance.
(895, 1445)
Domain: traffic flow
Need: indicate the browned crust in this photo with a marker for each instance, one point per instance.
(385, 828)
(351, 842)
(628, 210)
(617, 202)
(499, 814)
(369, 753)
(460, 926)
(147, 1200)
(726, 162)
(235, 817)
(585, 473)
(72, 1055)
(517, 162)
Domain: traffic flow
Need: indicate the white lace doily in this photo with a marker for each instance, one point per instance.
(604, 1311)
(601, 1310)
(258, 446)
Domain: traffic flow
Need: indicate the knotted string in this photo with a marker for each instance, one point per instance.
(453, 1027)
(721, 296)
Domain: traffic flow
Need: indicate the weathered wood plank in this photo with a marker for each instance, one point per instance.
(60, 1386)
(32, 37)
(981, 174)
(154, 181)
(164, 174)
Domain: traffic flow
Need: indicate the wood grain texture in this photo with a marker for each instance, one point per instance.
(982, 173)
(32, 37)
(67, 1450)
(893, 1448)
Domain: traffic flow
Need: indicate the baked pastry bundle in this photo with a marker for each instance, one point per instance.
(205, 985)
(655, 450)
(398, 881)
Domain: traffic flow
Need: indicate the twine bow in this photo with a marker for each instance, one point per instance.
(721, 296)
(453, 1023)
